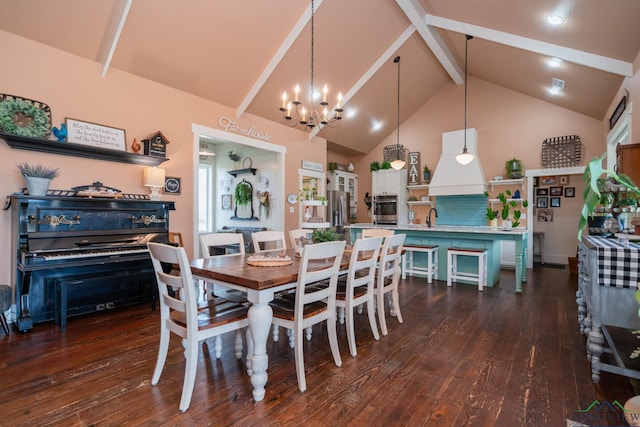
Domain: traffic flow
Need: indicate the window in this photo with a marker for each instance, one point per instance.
(205, 198)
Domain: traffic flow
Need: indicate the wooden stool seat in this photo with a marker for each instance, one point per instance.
(452, 266)
(431, 268)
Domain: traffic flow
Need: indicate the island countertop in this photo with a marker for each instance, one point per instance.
(443, 228)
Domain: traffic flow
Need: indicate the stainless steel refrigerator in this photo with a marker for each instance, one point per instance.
(338, 207)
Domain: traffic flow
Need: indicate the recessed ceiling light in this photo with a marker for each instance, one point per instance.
(554, 62)
(351, 112)
(555, 19)
(376, 126)
(556, 86)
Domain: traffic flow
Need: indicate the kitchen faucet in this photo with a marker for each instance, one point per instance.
(429, 216)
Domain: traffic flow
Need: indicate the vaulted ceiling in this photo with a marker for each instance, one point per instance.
(245, 53)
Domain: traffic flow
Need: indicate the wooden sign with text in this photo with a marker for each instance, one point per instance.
(413, 169)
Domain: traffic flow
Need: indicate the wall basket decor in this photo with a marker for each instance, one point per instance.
(562, 151)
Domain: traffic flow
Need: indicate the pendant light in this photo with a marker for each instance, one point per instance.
(465, 157)
(396, 154)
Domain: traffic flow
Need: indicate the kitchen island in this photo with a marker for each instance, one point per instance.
(474, 237)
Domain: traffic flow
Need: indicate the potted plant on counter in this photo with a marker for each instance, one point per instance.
(37, 177)
(510, 219)
(492, 217)
(426, 174)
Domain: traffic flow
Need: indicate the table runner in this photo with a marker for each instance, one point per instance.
(618, 264)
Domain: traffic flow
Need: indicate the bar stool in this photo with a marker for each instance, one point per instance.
(5, 304)
(432, 261)
(452, 266)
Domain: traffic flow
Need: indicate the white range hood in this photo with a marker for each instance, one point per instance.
(451, 178)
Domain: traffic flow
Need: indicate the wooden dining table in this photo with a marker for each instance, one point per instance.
(260, 284)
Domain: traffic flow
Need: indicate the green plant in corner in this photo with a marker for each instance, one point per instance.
(37, 171)
(243, 193)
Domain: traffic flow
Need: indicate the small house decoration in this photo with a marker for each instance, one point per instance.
(155, 145)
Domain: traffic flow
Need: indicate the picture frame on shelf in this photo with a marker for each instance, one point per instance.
(542, 191)
(555, 202)
(555, 191)
(569, 191)
(542, 202)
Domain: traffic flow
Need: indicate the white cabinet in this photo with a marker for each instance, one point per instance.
(389, 181)
(346, 181)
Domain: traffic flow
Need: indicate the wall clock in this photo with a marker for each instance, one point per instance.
(292, 198)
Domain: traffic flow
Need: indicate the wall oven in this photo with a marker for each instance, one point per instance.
(385, 209)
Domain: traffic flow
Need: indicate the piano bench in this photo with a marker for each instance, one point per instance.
(5, 304)
(91, 281)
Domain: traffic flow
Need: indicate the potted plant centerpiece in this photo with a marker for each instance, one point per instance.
(37, 177)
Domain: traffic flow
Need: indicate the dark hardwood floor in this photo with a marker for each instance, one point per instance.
(460, 358)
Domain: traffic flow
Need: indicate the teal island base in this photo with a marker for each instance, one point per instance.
(472, 237)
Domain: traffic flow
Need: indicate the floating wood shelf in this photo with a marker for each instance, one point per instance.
(78, 150)
(237, 172)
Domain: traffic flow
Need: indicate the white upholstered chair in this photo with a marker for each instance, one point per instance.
(268, 240)
(358, 287)
(387, 278)
(181, 314)
(312, 304)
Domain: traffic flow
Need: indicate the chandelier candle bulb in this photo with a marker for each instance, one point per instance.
(338, 107)
(284, 100)
(325, 89)
(297, 91)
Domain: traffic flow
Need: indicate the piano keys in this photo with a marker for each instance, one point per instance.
(97, 245)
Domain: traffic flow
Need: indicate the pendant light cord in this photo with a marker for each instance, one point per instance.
(466, 49)
(397, 61)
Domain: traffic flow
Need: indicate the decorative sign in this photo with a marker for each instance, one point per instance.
(618, 112)
(155, 145)
(306, 164)
(413, 167)
(231, 125)
(172, 185)
(227, 202)
(96, 135)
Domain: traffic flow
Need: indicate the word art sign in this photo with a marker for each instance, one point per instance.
(231, 125)
(413, 175)
(99, 136)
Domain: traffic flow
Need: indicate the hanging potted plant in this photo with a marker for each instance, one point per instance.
(243, 193)
(265, 204)
(37, 177)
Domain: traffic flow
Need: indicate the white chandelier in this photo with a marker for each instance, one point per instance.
(296, 114)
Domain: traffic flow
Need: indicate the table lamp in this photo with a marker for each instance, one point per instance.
(154, 178)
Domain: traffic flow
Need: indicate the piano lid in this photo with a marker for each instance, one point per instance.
(41, 242)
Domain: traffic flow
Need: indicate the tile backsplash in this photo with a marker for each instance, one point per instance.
(468, 209)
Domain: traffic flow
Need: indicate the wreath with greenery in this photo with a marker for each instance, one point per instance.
(243, 193)
(37, 128)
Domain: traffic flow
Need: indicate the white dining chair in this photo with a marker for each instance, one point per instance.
(295, 235)
(312, 305)
(210, 245)
(180, 314)
(387, 279)
(357, 288)
(268, 240)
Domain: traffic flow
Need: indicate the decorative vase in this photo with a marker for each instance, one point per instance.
(37, 186)
(493, 222)
(350, 168)
(426, 176)
(507, 225)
